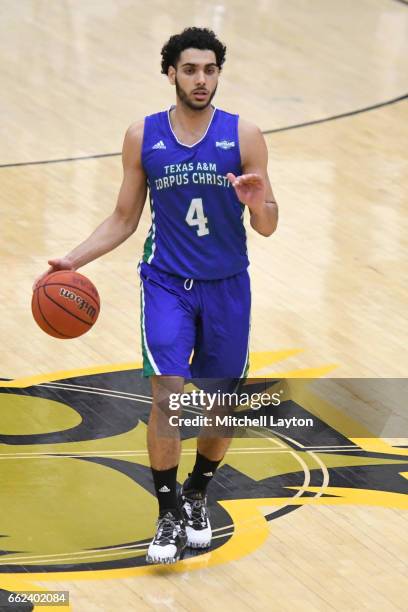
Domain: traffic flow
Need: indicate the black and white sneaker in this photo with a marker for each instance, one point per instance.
(193, 506)
(169, 542)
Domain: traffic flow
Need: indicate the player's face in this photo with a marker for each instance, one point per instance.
(196, 78)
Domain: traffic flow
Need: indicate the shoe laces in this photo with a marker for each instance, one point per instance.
(166, 529)
(198, 504)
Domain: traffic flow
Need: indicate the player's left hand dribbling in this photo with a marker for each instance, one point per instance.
(60, 263)
(250, 189)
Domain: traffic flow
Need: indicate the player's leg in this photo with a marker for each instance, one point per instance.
(220, 354)
(168, 338)
(193, 494)
(163, 442)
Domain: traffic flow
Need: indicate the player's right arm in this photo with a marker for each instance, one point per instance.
(124, 219)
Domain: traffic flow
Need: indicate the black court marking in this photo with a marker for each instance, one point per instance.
(339, 116)
(59, 161)
(272, 131)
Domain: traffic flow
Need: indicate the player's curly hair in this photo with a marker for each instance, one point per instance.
(196, 38)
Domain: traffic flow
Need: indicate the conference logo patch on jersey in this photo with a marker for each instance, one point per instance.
(225, 144)
(159, 145)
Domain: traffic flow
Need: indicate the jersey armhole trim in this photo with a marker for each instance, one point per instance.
(238, 142)
(142, 149)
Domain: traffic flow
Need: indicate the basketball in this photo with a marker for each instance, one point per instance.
(65, 304)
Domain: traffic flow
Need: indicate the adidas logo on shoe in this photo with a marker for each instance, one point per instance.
(164, 489)
(159, 145)
(208, 474)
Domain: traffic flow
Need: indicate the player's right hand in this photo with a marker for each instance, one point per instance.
(59, 263)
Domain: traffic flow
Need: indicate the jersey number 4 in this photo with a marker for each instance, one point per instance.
(195, 217)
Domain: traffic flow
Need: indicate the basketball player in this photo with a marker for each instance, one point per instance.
(202, 167)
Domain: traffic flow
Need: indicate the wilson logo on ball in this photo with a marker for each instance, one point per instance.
(82, 304)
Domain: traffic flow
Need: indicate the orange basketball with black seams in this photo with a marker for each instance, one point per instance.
(65, 304)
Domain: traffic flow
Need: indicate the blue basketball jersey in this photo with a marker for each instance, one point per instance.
(197, 226)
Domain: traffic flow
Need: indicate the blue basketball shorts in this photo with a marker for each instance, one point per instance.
(194, 328)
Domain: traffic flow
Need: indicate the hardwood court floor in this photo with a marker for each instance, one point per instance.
(329, 288)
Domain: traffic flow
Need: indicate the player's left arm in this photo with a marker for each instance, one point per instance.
(253, 187)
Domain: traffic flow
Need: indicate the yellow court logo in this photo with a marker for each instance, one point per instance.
(77, 495)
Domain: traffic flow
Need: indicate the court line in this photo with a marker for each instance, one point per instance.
(319, 447)
(286, 128)
(325, 472)
(326, 475)
(66, 558)
(73, 386)
(358, 111)
(115, 394)
(60, 160)
(323, 467)
(132, 453)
